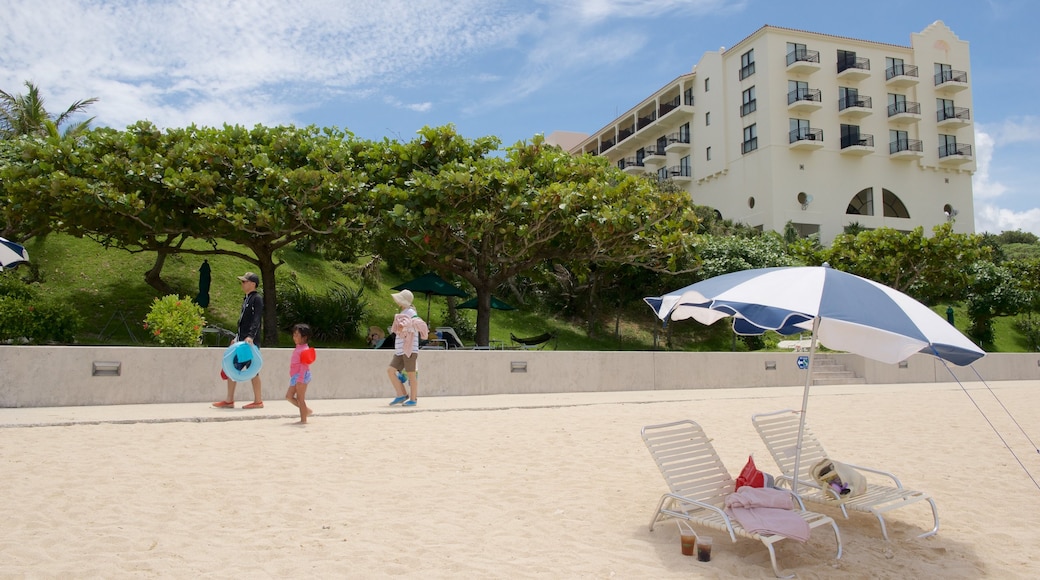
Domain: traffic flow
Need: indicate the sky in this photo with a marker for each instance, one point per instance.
(509, 68)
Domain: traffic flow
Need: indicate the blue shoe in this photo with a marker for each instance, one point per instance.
(399, 400)
(410, 403)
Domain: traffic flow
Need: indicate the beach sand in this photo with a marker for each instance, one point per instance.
(500, 486)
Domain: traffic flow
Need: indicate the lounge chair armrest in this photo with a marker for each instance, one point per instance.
(887, 474)
(801, 505)
(708, 506)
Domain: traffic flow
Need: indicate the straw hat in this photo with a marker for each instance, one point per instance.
(403, 298)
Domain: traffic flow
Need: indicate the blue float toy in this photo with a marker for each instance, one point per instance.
(242, 361)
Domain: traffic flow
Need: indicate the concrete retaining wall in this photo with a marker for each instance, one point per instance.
(54, 376)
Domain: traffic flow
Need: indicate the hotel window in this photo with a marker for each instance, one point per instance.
(847, 97)
(749, 104)
(707, 84)
(947, 145)
(747, 64)
(894, 67)
(707, 118)
(750, 139)
(943, 73)
(945, 109)
(796, 52)
(707, 154)
(684, 167)
(688, 96)
(800, 130)
(662, 174)
(896, 104)
(898, 141)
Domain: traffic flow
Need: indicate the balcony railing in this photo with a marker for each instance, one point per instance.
(806, 135)
(856, 63)
(945, 113)
(954, 149)
(748, 107)
(651, 150)
(629, 162)
(747, 70)
(679, 171)
(803, 55)
(644, 121)
(804, 95)
(904, 107)
(905, 145)
(625, 134)
(857, 101)
(749, 145)
(603, 146)
(668, 107)
(678, 138)
(861, 140)
(900, 70)
(950, 76)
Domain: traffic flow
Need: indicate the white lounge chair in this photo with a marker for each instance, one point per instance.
(699, 484)
(779, 431)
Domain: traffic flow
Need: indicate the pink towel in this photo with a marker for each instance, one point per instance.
(767, 511)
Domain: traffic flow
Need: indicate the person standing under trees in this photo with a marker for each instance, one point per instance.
(408, 328)
(250, 321)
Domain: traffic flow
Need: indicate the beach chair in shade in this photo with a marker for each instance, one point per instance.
(698, 484)
(779, 431)
(533, 342)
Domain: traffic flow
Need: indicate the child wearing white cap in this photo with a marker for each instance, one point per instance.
(408, 329)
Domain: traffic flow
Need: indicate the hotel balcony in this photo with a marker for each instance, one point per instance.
(646, 121)
(803, 61)
(652, 157)
(861, 144)
(951, 81)
(954, 154)
(901, 76)
(679, 173)
(855, 69)
(804, 100)
(631, 165)
(906, 149)
(677, 142)
(904, 113)
(806, 139)
(605, 145)
(855, 107)
(953, 117)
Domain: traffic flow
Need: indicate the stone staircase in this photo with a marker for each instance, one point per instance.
(828, 371)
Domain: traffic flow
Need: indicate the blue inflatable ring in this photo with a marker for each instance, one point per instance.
(242, 361)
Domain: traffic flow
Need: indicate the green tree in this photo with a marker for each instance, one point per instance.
(25, 114)
(994, 292)
(489, 218)
(932, 269)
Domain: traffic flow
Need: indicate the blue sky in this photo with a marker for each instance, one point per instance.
(510, 68)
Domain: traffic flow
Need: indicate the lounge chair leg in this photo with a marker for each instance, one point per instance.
(657, 513)
(837, 538)
(776, 568)
(935, 518)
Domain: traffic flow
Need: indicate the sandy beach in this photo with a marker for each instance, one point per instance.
(498, 486)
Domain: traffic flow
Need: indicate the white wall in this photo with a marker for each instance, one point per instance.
(50, 376)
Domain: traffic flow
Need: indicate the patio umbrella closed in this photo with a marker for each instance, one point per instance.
(843, 311)
(12, 254)
(431, 284)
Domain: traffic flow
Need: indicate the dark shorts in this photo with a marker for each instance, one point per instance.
(403, 363)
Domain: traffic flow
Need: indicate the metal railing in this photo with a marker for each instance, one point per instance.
(806, 135)
(668, 106)
(857, 101)
(803, 55)
(804, 95)
(861, 140)
(630, 162)
(954, 149)
(678, 138)
(644, 121)
(857, 63)
(603, 146)
(905, 145)
(650, 151)
(679, 171)
(945, 113)
(904, 107)
(900, 70)
(950, 76)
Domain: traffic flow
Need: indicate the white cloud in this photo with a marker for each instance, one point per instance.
(983, 185)
(993, 219)
(417, 107)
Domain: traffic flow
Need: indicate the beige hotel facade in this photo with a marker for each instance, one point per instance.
(817, 130)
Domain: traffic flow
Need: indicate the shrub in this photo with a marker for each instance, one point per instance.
(175, 321)
(333, 316)
(26, 318)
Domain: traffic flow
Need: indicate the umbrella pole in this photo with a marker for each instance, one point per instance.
(805, 403)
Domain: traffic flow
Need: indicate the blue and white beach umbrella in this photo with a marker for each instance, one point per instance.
(12, 254)
(843, 311)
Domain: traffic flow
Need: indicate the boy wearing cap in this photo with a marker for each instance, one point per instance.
(408, 328)
(250, 321)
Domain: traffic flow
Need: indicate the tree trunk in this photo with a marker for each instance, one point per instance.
(153, 277)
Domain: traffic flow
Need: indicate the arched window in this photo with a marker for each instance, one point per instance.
(862, 203)
(893, 205)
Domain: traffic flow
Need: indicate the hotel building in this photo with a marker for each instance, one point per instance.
(817, 130)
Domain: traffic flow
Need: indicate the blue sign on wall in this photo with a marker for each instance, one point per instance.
(803, 362)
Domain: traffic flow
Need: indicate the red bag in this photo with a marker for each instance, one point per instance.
(750, 476)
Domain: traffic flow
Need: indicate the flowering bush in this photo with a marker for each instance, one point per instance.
(175, 321)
